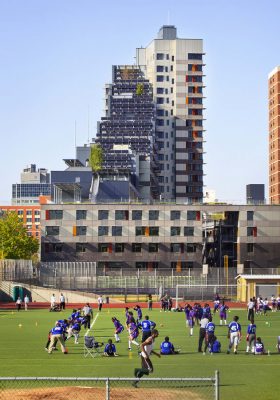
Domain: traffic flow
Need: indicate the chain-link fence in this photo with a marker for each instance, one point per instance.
(23, 388)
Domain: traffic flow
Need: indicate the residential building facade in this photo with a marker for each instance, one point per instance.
(162, 236)
(174, 66)
(274, 135)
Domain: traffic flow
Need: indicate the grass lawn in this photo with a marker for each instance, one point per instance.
(23, 336)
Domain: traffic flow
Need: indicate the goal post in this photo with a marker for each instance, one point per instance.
(203, 292)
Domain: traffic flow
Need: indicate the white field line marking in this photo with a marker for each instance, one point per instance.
(93, 322)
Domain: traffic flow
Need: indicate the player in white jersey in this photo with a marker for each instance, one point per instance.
(147, 348)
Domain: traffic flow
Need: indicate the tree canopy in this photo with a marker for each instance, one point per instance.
(96, 157)
(14, 240)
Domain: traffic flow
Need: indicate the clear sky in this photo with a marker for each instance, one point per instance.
(56, 56)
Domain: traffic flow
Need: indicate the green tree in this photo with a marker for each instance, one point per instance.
(96, 158)
(140, 89)
(14, 241)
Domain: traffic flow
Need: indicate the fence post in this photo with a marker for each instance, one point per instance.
(217, 385)
(107, 389)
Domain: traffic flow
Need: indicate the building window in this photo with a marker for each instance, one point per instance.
(81, 214)
(80, 247)
(160, 68)
(116, 230)
(193, 215)
(177, 247)
(181, 265)
(175, 231)
(252, 231)
(52, 230)
(188, 231)
(136, 247)
(119, 247)
(153, 231)
(81, 230)
(160, 90)
(160, 100)
(153, 215)
(250, 215)
(160, 56)
(28, 212)
(53, 247)
(250, 247)
(153, 247)
(103, 214)
(136, 215)
(194, 56)
(37, 212)
(121, 215)
(104, 248)
(140, 231)
(54, 214)
(174, 214)
(191, 248)
(159, 78)
(103, 231)
(29, 220)
(20, 212)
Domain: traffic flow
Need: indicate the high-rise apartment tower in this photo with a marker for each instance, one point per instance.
(175, 68)
(274, 135)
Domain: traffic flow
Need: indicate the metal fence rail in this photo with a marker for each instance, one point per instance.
(65, 388)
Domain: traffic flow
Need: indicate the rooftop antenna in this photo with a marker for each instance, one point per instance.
(88, 124)
(75, 143)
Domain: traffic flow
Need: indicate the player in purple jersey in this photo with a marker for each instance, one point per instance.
(139, 314)
(223, 313)
(118, 328)
(133, 334)
(191, 320)
(251, 337)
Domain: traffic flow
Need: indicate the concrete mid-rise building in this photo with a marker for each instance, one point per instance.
(274, 135)
(162, 236)
(174, 66)
(33, 184)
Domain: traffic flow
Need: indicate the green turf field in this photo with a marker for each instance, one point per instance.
(23, 336)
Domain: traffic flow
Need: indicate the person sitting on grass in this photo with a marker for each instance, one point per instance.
(215, 347)
(167, 348)
(110, 349)
(259, 347)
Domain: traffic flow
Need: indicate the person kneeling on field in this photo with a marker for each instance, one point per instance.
(110, 349)
(215, 346)
(167, 348)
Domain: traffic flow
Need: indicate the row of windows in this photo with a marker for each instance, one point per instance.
(120, 247)
(123, 215)
(118, 231)
(191, 56)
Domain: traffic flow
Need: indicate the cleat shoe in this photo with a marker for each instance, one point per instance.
(134, 384)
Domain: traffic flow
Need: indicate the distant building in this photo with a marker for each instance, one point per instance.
(274, 135)
(33, 184)
(127, 137)
(255, 194)
(174, 66)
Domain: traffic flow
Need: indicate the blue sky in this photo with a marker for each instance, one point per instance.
(56, 56)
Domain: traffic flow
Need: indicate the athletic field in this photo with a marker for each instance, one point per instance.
(23, 337)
